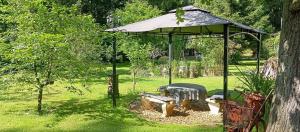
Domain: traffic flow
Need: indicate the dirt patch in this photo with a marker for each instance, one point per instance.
(189, 117)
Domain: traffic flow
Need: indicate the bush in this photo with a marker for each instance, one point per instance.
(155, 70)
(235, 57)
(195, 69)
(175, 67)
(162, 60)
(235, 53)
(270, 46)
(253, 82)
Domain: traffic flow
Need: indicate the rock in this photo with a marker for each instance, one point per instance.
(135, 105)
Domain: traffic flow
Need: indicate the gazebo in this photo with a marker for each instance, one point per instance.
(195, 22)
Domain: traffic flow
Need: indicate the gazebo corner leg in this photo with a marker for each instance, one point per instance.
(170, 58)
(258, 53)
(225, 70)
(114, 72)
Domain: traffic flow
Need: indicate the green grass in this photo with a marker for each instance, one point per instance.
(92, 111)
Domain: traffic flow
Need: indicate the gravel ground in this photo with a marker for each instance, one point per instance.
(189, 117)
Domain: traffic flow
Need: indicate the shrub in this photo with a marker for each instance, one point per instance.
(253, 82)
(270, 46)
(235, 57)
(195, 69)
(175, 67)
(163, 60)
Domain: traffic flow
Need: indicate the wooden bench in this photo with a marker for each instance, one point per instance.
(167, 103)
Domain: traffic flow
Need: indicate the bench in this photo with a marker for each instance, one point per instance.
(214, 103)
(167, 103)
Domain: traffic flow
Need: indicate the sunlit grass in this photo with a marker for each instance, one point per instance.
(92, 111)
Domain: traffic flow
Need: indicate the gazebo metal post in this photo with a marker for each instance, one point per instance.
(114, 71)
(225, 59)
(170, 58)
(258, 52)
(225, 70)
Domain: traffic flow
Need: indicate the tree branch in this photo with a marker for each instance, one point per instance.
(49, 72)
(37, 79)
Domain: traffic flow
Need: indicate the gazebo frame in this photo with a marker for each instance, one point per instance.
(226, 25)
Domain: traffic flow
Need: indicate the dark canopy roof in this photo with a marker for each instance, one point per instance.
(196, 21)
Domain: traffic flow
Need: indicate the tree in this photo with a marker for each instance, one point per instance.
(205, 46)
(261, 14)
(50, 43)
(138, 54)
(39, 55)
(136, 49)
(100, 9)
(167, 5)
(285, 111)
(136, 10)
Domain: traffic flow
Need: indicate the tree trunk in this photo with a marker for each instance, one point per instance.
(40, 97)
(285, 111)
(134, 80)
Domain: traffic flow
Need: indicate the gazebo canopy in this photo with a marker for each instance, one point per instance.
(196, 21)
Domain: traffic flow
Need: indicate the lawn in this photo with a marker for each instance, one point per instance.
(92, 111)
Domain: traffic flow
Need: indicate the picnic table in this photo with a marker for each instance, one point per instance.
(183, 93)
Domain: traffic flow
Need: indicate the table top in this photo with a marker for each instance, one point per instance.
(186, 86)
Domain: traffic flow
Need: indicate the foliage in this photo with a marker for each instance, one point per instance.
(138, 54)
(167, 5)
(264, 15)
(138, 50)
(205, 46)
(254, 82)
(271, 46)
(49, 42)
(195, 69)
(235, 53)
(251, 12)
(136, 10)
(99, 9)
(175, 67)
(179, 14)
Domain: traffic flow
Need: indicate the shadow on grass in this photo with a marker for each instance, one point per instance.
(16, 97)
(26, 96)
(250, 63)
(101, 78)
(100, 110)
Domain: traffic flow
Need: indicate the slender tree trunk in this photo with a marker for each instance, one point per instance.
(40, 98)
(285, 111)
(40, 87)
(134, 80)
